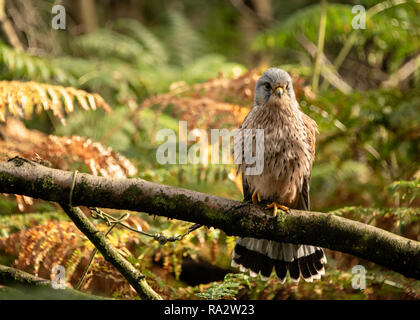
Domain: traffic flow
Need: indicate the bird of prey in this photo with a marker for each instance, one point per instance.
(289, 150)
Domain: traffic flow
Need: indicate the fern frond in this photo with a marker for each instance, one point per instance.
(44, 245)
(228, 289)
(405, 189)
(40, 248)
(151, 43)
(22, 99)
(16, 64)
(202, 112)
(107, 43)
(113, 75)
(62, 152)
(221, 101)
(339, 18)
(185, 43)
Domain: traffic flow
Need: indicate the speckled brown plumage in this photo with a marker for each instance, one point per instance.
(289, 150)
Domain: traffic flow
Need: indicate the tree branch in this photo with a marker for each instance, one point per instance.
(19, 176)
(133, 276)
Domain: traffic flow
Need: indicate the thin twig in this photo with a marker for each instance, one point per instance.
(133, 276)
(351, 40)
(320, 46)
(8, 28)
(403, 73)
(92, 256)
(327, 69)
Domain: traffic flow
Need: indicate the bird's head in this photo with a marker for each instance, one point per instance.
(274, 88)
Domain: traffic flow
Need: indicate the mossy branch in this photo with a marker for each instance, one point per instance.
(133, 276)
(19, 176)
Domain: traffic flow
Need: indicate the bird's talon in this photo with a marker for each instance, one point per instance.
(284, 208)
(256, 197)
(276, 207)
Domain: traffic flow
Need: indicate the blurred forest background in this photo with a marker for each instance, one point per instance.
(91, 97)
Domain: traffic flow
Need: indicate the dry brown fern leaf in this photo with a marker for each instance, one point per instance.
(22, 99)
(60, 153)
(239, 90)
(38, 249)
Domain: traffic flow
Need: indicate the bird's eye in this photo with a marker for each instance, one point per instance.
(267, 86)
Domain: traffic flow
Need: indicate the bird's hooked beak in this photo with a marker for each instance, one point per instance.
(278, 92)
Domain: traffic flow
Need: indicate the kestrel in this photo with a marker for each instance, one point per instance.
(289, 150)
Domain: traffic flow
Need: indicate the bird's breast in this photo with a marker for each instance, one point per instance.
(287, 160)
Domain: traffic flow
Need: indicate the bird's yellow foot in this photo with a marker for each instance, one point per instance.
(256, 197)
(277, 206)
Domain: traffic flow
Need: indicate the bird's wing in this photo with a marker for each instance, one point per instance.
(311, 129)
(245, 186)
(304, 202)
(246, 189)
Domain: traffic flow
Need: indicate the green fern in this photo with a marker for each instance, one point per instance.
(404, 189)
(21, 65)
(339, 17)
(106, 43)
(388, 29)
(184, 42)
(150, 42)
(229, 288)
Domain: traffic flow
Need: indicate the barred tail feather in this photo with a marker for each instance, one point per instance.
(259, 256)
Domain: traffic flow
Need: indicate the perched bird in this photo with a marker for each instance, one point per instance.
(289, 150)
